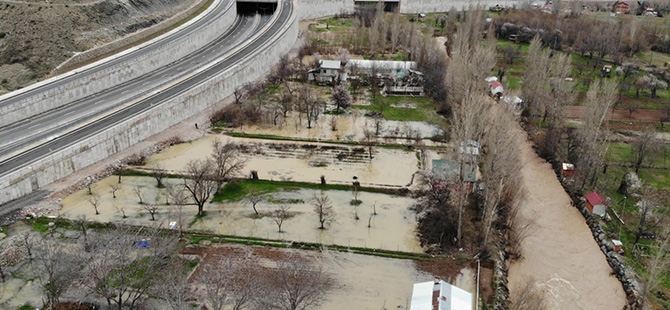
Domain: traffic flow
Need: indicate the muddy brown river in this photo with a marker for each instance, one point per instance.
(560, 254)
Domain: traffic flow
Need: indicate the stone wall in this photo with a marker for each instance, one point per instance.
(625, 274)
(125, 134)
(114, 75)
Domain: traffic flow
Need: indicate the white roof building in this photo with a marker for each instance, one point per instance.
(380, 66)
(426, 295)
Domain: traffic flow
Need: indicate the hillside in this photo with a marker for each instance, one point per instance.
(36, 36)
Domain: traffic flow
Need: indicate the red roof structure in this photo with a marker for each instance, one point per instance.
(594, 198)
(495, 84)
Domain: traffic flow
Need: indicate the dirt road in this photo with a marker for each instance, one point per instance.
(560, 253)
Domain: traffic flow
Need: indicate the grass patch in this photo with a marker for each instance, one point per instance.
(420, 109)
(236, 191)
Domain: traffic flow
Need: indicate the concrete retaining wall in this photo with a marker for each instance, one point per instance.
(309, 9)
(102, 145)
(117, 74)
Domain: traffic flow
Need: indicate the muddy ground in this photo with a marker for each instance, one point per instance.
(361, 281)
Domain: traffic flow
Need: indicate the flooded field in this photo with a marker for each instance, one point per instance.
(302, 161)
(392, 228)
(360, 281)
(349, 127)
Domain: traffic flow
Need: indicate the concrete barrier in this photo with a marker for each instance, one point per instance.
(133, 130)
(120, 73)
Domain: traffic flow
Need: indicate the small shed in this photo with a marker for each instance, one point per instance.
(440, 295)
(327, 73)
(617, 245)
(567, 169)
(596, 203)
(496, 90)
(446, 173)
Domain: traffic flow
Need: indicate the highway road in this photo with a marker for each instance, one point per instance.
(41, 127)
(80, 123)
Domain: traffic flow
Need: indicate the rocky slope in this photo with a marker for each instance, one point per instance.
(36, 36)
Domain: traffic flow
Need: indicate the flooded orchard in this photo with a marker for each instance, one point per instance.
(392, 223)
(302, 161)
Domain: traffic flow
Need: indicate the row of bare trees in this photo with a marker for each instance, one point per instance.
(125, 266)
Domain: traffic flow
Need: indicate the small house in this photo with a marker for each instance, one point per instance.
(496, 90)
(447, 175)
(440, 295)
(606, 71)
(596, 203)
(618, 246)
(548, 9)
(567, 169)
(327, 73)
(650, 12)
(621, 7)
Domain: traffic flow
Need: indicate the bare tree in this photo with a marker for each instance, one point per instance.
(280, 214)
(341, 97)
(649, 206)
(298, 284)
(199, 183)
(657, 263)
(231, 281)
(501, 162)
(121, 209)
(323, 208)
(591, 138)
(644, 147)
(369, 140)
(138, 192)
(510, 53)
(113, 188)
(534, 90)
(284, 68)
(528, 296)
(159, 174)
(152, 208)
(28, 241)
(394, 31)
(121, 273)
(227, 161)
(95, 203)
(58, 268)
(174, 287)
(343, 55)
(254, 197)
(117, 169)
(177, 194)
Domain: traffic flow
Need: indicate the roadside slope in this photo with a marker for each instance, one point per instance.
(559, 254)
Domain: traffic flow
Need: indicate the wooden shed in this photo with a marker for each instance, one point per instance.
(596, 203)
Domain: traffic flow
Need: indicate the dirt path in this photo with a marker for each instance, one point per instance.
(560, 254)
(621, 115)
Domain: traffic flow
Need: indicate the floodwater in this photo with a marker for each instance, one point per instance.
(393, 228)
(302, 161)
(349, 128)
(560, 253)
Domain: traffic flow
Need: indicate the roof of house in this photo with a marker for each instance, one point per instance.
(568, 167)
(622, 2)
(381, 65)
(495, 84)
(594, 198)
(617, 242)
(449, 298)
(446, 169)
(330, 64)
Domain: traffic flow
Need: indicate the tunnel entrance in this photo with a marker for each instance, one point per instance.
(256, 7)
(389, 6)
